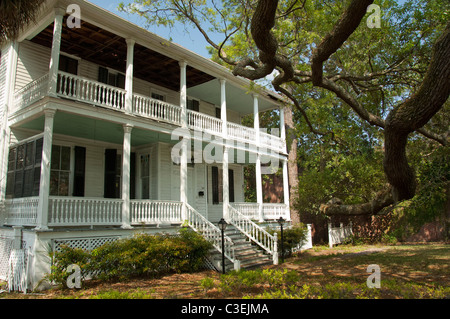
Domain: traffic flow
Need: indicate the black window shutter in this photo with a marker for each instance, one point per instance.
(120, 81)
(133, 176)
(110, 173)
(80, 171)
(231, 185)
(103, 78)
(103, 75)
(196, 105)
(215, 184)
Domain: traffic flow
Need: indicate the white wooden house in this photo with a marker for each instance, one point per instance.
(92, 146)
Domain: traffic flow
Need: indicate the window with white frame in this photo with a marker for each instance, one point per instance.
(60, 171)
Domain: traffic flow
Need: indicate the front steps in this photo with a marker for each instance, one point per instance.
(249, 255)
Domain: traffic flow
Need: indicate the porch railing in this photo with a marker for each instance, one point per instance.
(254, 232)
(269, 210)
(85, 90)
(155, 212)
(241, 133)
(156, 109)
(74, 211)
(31, 92)
(21, 211)
(204, 122)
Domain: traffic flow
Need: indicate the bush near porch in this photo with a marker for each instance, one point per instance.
(140, 255)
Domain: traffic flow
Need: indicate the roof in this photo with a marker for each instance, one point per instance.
(102, 40)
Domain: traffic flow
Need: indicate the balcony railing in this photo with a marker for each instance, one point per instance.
(82, 89)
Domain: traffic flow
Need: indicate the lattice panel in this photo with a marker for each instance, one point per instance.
(89, 243)
(6, 245)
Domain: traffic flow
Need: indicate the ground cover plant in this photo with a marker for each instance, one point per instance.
(407, 271)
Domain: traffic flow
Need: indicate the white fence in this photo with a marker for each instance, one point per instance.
(338, 235)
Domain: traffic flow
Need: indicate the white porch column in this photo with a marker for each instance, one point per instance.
(126, 165)
(129, 76)
(44, 188)
(286, 185)
(184, 143)
(56, 49)
(183, 93)
(259, 196)
(225, 177)
(226, 186)
(223, 107)
(6, 108)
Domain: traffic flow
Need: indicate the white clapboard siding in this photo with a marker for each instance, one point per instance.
(33, 62)
(95, 171)
(3, 70)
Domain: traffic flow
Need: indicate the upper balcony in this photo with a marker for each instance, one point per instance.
(95, 93)
(141, 62)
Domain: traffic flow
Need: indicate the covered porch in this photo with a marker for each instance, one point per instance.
(90, 171)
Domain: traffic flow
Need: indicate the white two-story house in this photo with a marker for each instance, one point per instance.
(108, 130)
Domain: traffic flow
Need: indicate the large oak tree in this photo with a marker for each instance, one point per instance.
(309, 44)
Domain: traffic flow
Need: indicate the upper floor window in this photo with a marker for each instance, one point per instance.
(111, 77)
(158, 96)
(193, 105)
(68, 65)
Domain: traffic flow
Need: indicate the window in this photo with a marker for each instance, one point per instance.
(193, 105)
(113, 78)
(68, 65)
(113, 163)
(158, 96)
(24, 169)
(217, 185)
(145, 176)
(60, 171)
(218, 113)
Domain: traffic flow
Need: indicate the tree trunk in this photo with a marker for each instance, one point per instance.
(291, 142)
(382, 199)
(412, 115)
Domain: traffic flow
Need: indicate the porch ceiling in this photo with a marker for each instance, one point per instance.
(96, 130)
(102, 47)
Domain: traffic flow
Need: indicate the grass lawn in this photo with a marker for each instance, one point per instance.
(407, 271)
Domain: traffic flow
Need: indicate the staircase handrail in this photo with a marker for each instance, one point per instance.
(254, 232)
(211, 232)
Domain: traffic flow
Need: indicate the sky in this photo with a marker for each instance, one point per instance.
(191, 40)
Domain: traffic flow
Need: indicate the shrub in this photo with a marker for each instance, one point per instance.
(292, 238)
(140, 255)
